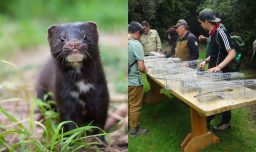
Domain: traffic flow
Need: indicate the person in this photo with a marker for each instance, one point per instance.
(220, 54)
(203, 38)
(135, 86)
(150, 39)
(187, 45)
(172, 39)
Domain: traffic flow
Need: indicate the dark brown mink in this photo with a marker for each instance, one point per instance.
(75, 76)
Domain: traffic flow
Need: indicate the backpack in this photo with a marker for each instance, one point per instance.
(129, 66)
(238, 45)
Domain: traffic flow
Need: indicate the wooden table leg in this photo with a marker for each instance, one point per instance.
(199, 137)
(154, 95)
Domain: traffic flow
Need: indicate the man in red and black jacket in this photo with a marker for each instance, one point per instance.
(220, 53)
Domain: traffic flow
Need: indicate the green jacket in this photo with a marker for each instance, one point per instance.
(150, 42)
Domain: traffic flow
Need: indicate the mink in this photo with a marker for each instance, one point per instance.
(75, 76)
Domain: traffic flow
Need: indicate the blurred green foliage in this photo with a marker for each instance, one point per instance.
(23, 24)
(110, 14)
(115, 64)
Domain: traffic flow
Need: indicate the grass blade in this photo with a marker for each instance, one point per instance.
(10, 100)
(55, 136)
(10, 117)
(9, 63)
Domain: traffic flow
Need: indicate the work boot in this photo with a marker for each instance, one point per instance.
(137, 131)
(222, 126)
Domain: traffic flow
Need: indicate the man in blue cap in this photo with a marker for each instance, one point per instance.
(220, 53)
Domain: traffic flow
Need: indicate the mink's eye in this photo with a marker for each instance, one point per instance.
(62, 39)
(85, 37)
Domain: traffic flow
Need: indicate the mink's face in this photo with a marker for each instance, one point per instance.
(71, 43)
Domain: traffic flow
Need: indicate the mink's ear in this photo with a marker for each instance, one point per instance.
(92, 30)
(51, 30)
(93, 26)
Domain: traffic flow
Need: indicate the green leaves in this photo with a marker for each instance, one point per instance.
(50, 138)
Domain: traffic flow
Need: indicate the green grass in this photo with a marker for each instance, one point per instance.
(25, 138)
(168, 123)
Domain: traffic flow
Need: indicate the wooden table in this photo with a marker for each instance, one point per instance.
(199, 137)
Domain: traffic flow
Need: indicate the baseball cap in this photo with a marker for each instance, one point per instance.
(181, 22)
(209, 15)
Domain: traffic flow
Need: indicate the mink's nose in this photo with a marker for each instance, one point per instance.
(74, 45)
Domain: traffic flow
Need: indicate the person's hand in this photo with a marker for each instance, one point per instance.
(202, 65)
(214, 69)
(202, 38)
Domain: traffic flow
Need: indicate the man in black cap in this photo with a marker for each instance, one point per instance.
(220, 53)
(187, 45)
